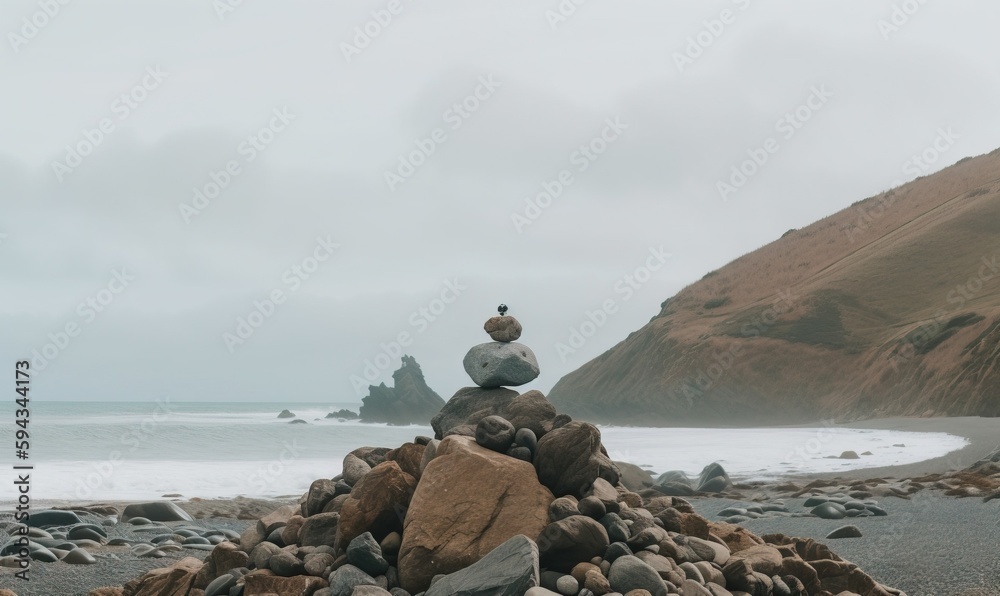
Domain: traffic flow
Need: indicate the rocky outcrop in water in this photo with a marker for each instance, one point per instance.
(409, 401)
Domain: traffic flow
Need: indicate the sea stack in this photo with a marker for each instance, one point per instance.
(502, 362)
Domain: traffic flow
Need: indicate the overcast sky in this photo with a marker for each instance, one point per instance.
(411, 158)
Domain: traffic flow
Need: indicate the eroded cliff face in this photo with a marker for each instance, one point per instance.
(890, 307)
(409, 401)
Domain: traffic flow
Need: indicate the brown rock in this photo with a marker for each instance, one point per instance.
(695, 525)
(530, 410)
(408, 457)
(596, 582)
(320, 493)
(250, 538)
(300, 585)
(566, 542)
(736, 537)
(468, 406)
(223, 557)
(470, 500)
(276, 519)
(175, 580)
(319, 530)
(377, 504)
(802, 571)
(763, 558)
(106, 591)
(579, 571)
(290, 533)
(505, 329)
(569, 459)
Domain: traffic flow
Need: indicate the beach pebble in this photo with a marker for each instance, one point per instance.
(829, 510)
(139, 521)
(53, 517)
(89, 532)
(79, 556)
(220, 586)
(161, 511)
(845, 532)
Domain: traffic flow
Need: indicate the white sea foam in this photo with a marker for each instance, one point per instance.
(287, 466)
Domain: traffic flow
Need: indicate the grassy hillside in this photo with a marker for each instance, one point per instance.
(889, 307)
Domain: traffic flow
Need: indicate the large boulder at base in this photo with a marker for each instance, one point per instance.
(503, 328)
(470, 405)
(176, 579)
(266, 585)
(470, 500)
(158, 511)
(500, 364)
(508, 570)
(570, 458)
(569, 541)
(377, 504)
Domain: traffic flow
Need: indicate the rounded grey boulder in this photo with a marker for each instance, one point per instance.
(496, 433)
(500, 364)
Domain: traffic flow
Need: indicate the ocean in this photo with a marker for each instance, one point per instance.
(145, 450)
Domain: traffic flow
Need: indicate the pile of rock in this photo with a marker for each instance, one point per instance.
(509, 498)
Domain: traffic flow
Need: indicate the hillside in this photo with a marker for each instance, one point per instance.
(890, 307)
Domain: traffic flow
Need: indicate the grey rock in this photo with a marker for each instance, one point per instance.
(499, 364)
(365, 554)
(409, 401)
(631, 573)
(829, 510)
(318, 530)
(713, 479)
(79, 556)
(495, 432)
(221, 585)
(521, 453)
(345, 579)
(285, 564)
(160, 511)
(566, 542)
(525, 437)
(508, 570)
(845, 532)
(470, 405)
(286, 414)
(355, 469)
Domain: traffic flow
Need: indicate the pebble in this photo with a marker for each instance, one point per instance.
(845, 532)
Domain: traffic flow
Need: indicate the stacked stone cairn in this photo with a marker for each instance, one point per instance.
(508, 499)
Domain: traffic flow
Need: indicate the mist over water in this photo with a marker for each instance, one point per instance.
(144, 450)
